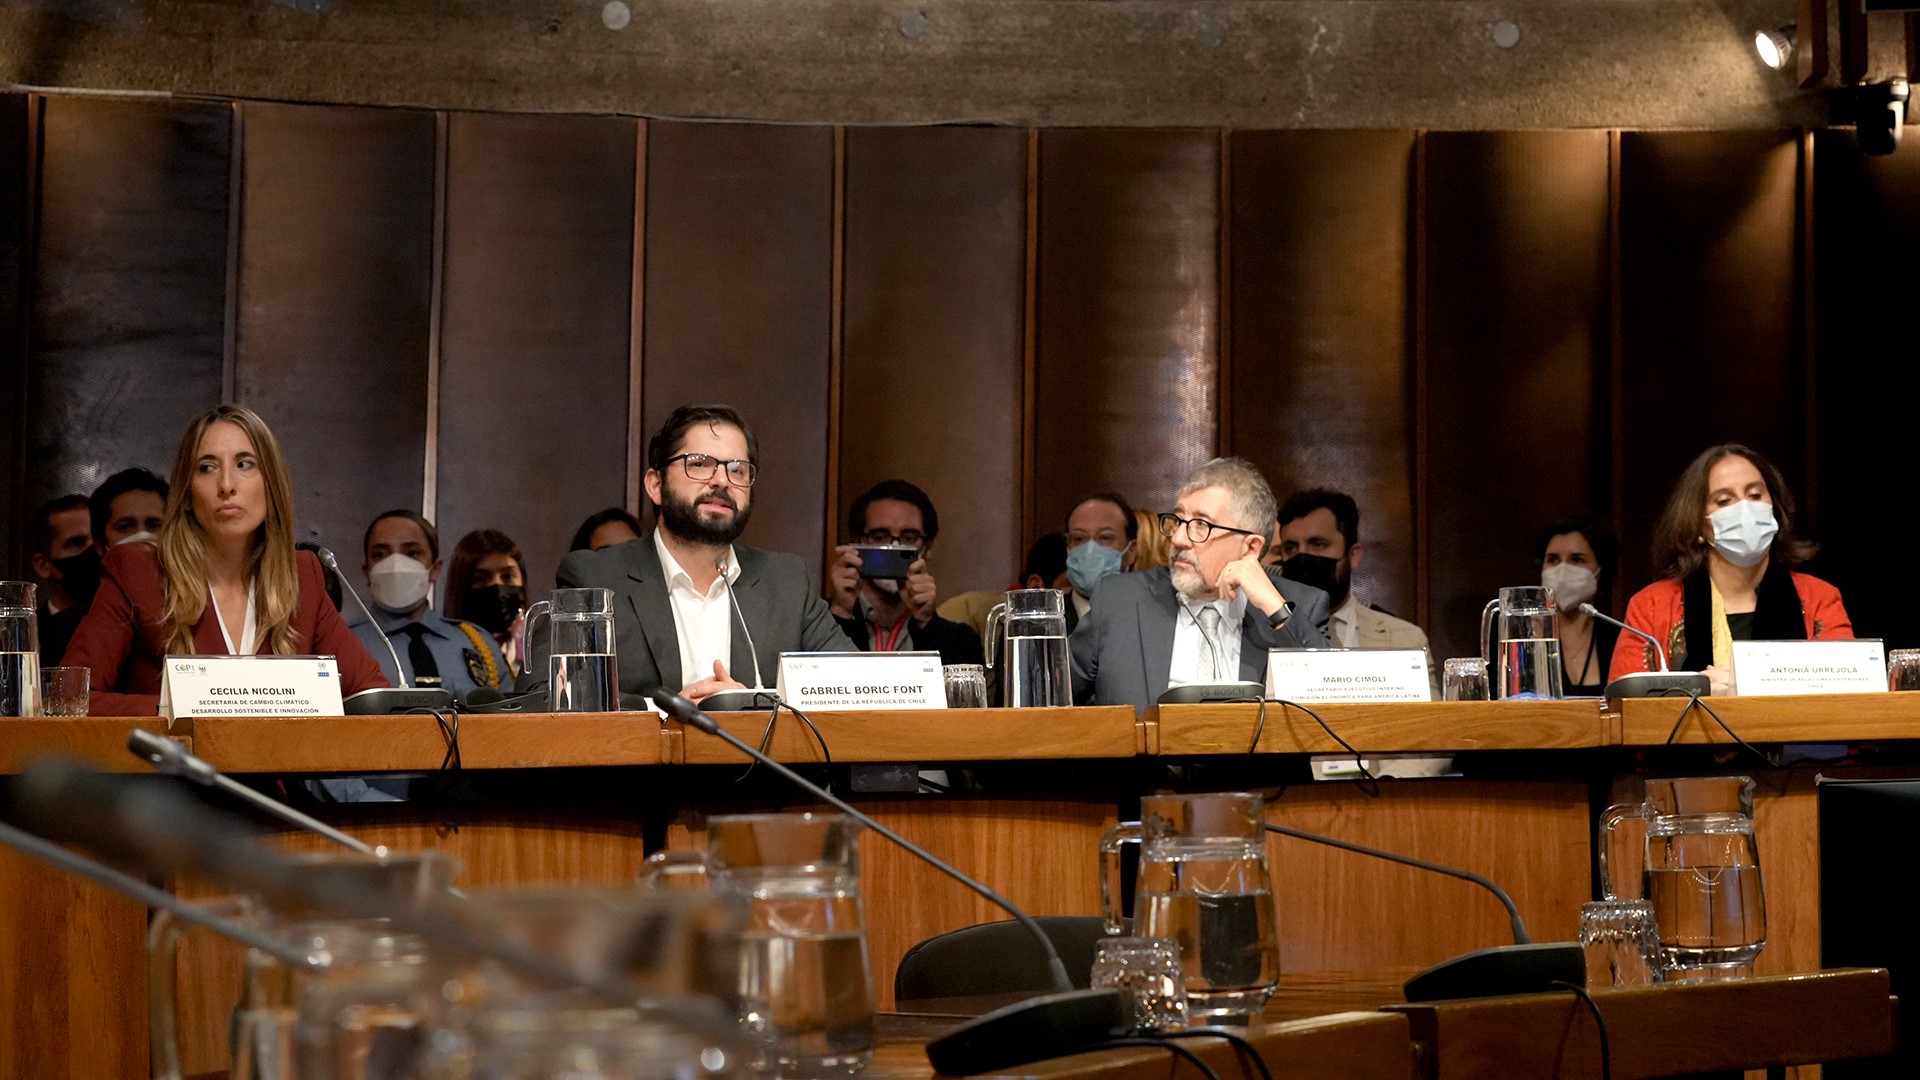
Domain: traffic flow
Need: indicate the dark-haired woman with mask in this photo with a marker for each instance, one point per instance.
(1577, 555)
(487, 586)
(1726, 545)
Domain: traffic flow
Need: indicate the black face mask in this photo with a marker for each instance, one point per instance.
(493, 607)
(1320, 572)
(80, 575)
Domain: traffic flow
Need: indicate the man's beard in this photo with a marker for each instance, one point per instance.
(682, 519)
(1187, 580)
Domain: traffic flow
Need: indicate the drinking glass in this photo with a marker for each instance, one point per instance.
(966, 686)
(1464, 678)
(63, 691)
(1903, 669)
(1146, 971)
(1621, 940)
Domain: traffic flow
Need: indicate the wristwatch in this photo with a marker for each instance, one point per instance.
(1280, 614)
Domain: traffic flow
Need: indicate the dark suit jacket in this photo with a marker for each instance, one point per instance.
(777, 597)
(955, 642)
(1123, 650)
(123, 640)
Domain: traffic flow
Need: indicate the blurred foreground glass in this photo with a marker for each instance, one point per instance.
(966, 686)
(1701, 872)
(1146, 971)
(1903, 669)
(63, 691)
(1203, 881)
(805, 994)
(1621, 940)
(1464, 678)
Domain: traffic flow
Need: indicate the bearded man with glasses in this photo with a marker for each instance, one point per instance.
(682, 597)
(1211, 615)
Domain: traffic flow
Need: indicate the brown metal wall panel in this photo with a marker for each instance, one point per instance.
(335, 276)
(129, 291)
(1516, 303)
(1867, 210)
(1127, 368)
(1710, 315)
(931, 373)
(538, 268)
(1321, 377)
(16, 172)
(739, 271)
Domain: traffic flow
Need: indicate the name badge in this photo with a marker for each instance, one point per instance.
(862, 680)
(1348, 675)
(1809, 667)
(249, 686)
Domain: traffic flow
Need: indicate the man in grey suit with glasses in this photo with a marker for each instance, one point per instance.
(692, 610)
(1211, 615)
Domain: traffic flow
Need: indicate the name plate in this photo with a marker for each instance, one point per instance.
(1809, 667)
(249, 686)
(862, 680)
(1348, 675)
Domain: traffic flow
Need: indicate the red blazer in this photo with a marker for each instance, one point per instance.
(122, 639)
(1660, 610)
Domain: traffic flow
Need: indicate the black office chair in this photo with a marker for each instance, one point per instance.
(996, 958)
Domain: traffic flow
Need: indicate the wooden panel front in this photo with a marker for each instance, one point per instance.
(128, 321)
(1340, 911)
(1808, 718)
(1127, 370)
(738, 278)
(1448, 725)
(534, 331)
(1515, 331)
(1320, 379)
(416, 743)
(936, 223)
(333, 320)
(1105, 731)
(1709, 312)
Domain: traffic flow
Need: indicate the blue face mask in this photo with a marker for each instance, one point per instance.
(1090, 562)
(1743, 532)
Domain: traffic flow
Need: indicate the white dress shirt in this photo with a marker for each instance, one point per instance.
(704, 620)
(1190, 649)
(1343, 626)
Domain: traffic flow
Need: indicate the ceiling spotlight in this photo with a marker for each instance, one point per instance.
(1774, 46)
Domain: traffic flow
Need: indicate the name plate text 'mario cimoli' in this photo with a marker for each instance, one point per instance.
(1348, 675)
(250, 686)
(1809, 667)
(862, 680)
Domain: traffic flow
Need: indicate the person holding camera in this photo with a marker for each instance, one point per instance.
(879, 587)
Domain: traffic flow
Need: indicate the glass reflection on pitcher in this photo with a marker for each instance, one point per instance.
(1203, 881)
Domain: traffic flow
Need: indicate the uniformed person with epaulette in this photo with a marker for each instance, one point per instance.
(402, 563)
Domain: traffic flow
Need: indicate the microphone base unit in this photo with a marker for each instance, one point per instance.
(1036, 1029)
(1200, 693)
(1502, 971)
(1658, 684)
(738, 701)
(388, 700)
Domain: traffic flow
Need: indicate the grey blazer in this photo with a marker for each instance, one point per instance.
(777, 597)
(1123, 649)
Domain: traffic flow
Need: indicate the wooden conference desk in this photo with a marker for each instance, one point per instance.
(573, 797)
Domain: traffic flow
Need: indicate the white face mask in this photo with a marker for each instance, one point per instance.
(399, 583)
(1743, 532)
(142, 535)
(1570, 585)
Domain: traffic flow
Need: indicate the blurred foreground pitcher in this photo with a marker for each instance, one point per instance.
(1700, 870)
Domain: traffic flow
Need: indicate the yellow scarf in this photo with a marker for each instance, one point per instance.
(1722, 635)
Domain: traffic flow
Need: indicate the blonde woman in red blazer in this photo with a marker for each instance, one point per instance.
(223, 576)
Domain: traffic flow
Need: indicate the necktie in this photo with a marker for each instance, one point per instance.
(425, 671)
(1208, 619)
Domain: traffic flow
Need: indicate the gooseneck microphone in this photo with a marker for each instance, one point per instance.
(734, 700)
(399, 673)
(169, 757)
(134, 889)
(1660, 683)
(1520, 936)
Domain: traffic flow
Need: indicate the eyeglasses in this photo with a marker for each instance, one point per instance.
(1198, 531)
(701, 467)
(909, 537)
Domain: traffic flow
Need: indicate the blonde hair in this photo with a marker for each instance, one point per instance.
(183, 544)
(1151, 547)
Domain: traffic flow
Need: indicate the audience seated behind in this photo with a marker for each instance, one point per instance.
(1045, 568)
(1151, 547)
(223, 575)
(1320, 545)
(1577, 556)
(401, 560)
(487, 586)
(894, 614)
(1103, 537)
(605, 529)
(66, 567)
(1726, 546)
